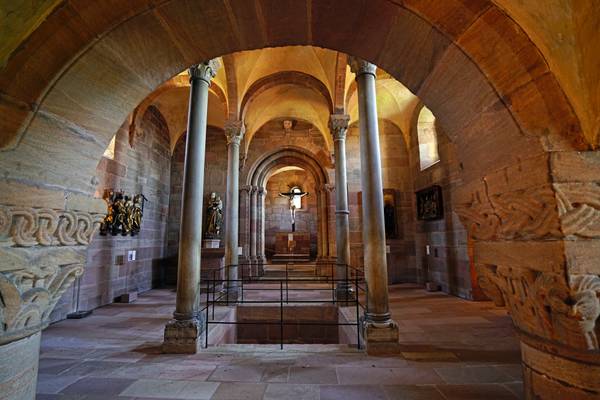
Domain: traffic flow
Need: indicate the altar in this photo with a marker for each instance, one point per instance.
(291, 247)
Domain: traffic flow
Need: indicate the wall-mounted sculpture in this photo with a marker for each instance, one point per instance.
(214, 216)
(124, 215)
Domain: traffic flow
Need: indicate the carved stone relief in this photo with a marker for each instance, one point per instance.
(526, 214)
(569, 209)
(28, 296)
(546, 305)
(579, 209)
(26, 227)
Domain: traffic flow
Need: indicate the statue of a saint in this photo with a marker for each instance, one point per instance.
(214, 216)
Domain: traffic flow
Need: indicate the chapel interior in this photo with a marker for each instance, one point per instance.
(307, 199)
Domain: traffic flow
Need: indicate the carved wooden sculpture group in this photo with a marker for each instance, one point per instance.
(124, 214)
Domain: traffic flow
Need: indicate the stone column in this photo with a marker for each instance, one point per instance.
(245, 215)
(183, 332)
(253, 228)
(338, 125)
(260, 227)
(234, 130)
(380, 331)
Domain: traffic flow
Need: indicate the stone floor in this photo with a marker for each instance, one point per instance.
(452, 349)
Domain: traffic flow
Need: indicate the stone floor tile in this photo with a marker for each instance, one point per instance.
(240, 391)
(55, 365)
(365, 376)
(513, 370)
(474, 374)
(237, 373)
(412, 392)
(98, 386)
(354, 392)
(279, 391)
(416, 376)
(314, 375)
(94, 368)
(276, 374)
(515, 388)
(476, 392)
(123, 341)
(171, 389)
(50, 384)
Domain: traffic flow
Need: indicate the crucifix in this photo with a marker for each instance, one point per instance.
(294, 196)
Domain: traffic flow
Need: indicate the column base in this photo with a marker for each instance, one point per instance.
(260, 266)
(381, 337)
(552, 377)
(19, 368)
(183, 337)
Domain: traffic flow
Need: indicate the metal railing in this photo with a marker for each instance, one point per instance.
(220, 287)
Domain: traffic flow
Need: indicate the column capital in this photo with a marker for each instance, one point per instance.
(360, 66)
(204, 71)
(234, 131)
(261, 191)
(338, 125)
(327, 188)
(247, 188)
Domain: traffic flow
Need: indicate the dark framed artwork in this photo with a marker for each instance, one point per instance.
(430, 205)
(389, 212)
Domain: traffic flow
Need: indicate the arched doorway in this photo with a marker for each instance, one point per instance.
(256, 178)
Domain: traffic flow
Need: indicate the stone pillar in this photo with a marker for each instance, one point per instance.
(260, 227)
(234, 130)
(253, 229)
(536, 245)
(380, 331)
(321, 249)
(183, 332)
(245, 215)
(338, 125)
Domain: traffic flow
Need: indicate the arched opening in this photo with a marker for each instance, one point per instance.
(514, 138)
(427, 137)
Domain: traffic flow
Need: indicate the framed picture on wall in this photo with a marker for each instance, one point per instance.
(430, 205)
(390, 212)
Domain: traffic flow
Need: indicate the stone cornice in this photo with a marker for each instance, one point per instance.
(338, 125)
(360, 66)
(205, 71)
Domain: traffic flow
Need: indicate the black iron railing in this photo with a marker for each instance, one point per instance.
(220, 287)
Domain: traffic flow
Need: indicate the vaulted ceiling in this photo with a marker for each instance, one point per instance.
(298, 83)
(566, 31)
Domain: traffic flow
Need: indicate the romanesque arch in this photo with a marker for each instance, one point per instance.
(253, 192)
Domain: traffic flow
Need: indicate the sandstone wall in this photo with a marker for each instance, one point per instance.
(396, 177)
(447, 263)
(141, 168)
(215, 180)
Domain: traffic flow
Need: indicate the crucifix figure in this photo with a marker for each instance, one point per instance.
(294, 196)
